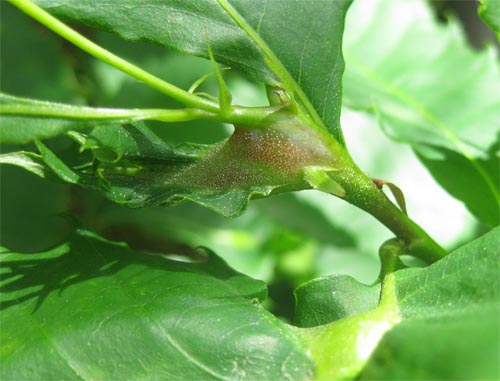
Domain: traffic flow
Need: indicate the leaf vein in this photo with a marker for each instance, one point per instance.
(53, 344)
(191, 359)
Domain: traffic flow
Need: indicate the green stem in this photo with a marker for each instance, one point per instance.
(355, 187)
(362, 192)
(237, 115)
(389, 254)
(88, 113)
(63, 111)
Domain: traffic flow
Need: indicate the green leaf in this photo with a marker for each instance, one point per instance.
(133, 167)
(94, 309)
(461, 347)
(428, 89)
(440, 322)
(489, 10)
(27, 160)
(451, 319)
(111, 144)
(253, 36)
(317, 304)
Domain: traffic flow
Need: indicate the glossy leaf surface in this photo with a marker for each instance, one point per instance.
(94, 309)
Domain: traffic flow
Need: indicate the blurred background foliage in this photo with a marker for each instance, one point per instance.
(283, 240)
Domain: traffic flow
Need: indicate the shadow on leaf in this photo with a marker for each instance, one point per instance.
(31, 278)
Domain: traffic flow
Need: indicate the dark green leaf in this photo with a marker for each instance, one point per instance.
(489, 11)
(110, 144)
(94, 309)
(307, 42)
(224, 176)
(429, 90)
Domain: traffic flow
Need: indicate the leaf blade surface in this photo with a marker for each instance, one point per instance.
(96, 309)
